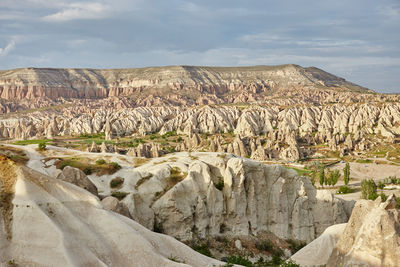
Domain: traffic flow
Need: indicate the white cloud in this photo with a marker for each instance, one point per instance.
(273, 38)
(391, 11)
(79, 10)
(10, 46)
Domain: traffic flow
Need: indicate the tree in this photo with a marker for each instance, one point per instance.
(322, 175)
(313, 177)
(381, 185)
(333, 177)
(336, 176)
(368, 189)
(346, 173)
(328, 178)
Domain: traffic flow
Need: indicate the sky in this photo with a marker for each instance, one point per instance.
(358, 40)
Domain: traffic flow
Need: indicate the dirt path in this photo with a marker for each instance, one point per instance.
(360, 171)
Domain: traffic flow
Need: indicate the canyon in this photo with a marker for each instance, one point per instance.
(182, 157)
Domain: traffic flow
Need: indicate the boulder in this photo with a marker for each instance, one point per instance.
(113, 204)
(77, 177)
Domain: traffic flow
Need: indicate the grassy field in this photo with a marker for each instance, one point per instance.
(301, 172)
(32, 142)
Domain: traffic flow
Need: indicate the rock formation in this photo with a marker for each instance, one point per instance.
(48, 222)
(371, 237)
(77, 177)
(113, 204)
(317, 253)
(207, 195)
(286, 133)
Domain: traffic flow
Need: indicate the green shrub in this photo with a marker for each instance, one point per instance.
(383, 197)
(238, 259)
(119, 195)
(113, 167)
(88, 170)
(295, 245)
(169, 134)
(364, 161)
(171, 149)
(265, 246)
(42, 146)
(116, 182)
(138, 141)
(345, 189)
(100, 161)
(391, 180)
(157, 227)
(203, 249)
(175, 259)
(220, 184)
(381, 185)
(289, 263)
(368, 189)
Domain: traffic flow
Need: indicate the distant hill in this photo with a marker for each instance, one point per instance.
(182, 83)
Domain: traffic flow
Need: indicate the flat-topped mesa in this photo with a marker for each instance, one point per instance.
(190, 81)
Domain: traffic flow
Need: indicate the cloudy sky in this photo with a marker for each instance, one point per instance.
(358, 39)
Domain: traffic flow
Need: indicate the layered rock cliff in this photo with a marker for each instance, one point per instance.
(175, 84)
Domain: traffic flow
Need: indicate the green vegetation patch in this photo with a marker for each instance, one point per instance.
(32, 142)
(220, 184)
(295, 245)
(119, 195)
(142, 180)
(116, 182)
(42, 146)
(176, 175)
(100, 162)
(344, 189)
(301, 172)
(368, 189)
(86, 165)
(15, 154)
(364, 161)
(140, 161)
(203, 249)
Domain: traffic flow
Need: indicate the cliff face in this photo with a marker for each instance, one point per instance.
(188, 81)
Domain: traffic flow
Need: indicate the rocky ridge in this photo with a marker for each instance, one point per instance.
(211, 82)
